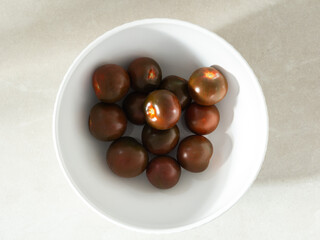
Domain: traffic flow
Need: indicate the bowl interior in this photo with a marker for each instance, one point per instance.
(239, 141)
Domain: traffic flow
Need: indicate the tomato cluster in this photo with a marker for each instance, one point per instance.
(157, 104)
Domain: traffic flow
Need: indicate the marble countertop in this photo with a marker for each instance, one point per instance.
(40, 39)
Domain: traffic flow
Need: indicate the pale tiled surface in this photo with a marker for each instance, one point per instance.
(40, 39)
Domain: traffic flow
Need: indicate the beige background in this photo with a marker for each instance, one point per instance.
(40, 39)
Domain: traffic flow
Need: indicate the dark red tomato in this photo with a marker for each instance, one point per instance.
(107, 121)
(207, 86)
(145, 74)
(126, 157)
(162, 109)
(163, 172)
(110, 83)
(160, 141)
(194, 153)
(179, 87)
(133, 107)
(202, 119)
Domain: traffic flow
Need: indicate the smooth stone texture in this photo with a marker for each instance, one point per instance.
(37, 203)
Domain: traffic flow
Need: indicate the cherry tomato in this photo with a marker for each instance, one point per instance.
(163, 172)
(162, 109)
(207, 86)
(160, 141)
(107, 121)
(194, 153)
(110, 83)
(202, 119)
(133, 107)
(145, 74)
(127, 158)
(179, 87)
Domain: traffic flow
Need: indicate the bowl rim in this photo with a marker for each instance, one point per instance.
(73, 67)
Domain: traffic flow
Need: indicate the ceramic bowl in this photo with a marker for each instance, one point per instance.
(240, 141)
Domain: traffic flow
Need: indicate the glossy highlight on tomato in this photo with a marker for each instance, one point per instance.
(163, 172)
(162, 109)
(194, 153)
(107, 121)
(127, 158)
(207, 86)
(145, 74)
(110, 83)
(202, 119)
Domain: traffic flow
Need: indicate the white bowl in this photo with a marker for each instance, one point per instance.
(240, 140)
